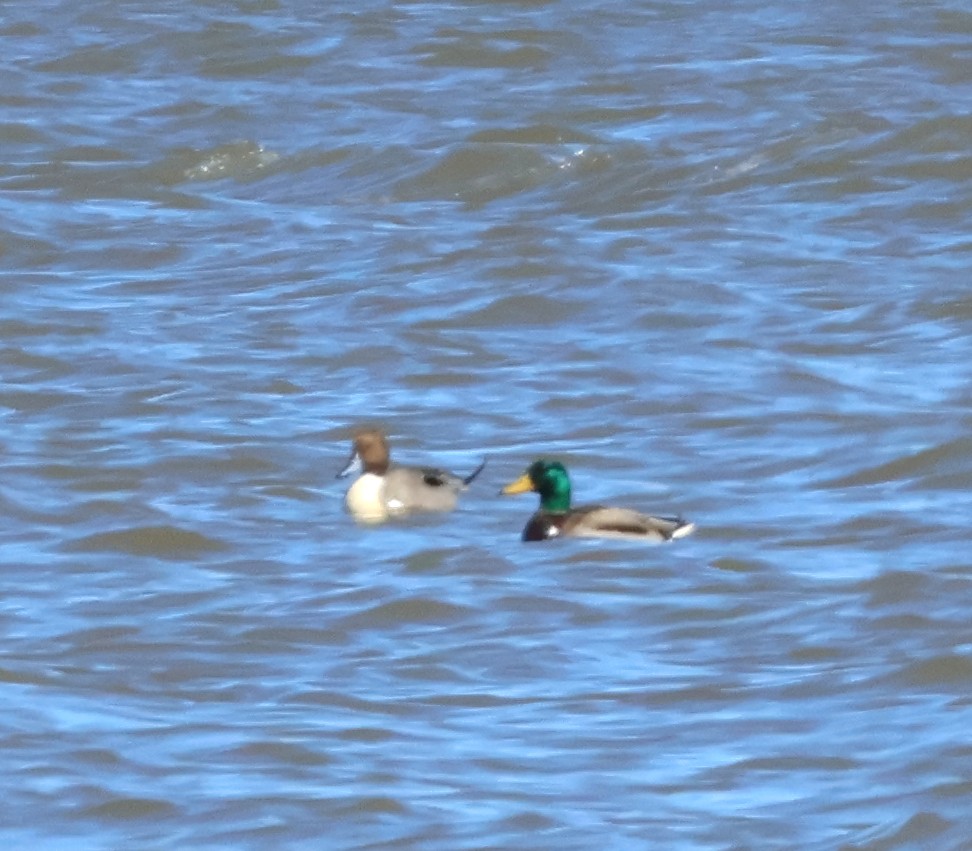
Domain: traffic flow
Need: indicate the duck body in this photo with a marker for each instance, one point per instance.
(556, 518)
(385, 490)
(599, 521)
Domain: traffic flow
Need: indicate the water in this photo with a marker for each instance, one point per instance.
(715, 259)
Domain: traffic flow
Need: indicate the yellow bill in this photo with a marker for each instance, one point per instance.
(521, 485)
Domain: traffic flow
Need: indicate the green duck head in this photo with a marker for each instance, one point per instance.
(550, 480)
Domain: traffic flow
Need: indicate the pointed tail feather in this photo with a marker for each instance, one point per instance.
(474, 473)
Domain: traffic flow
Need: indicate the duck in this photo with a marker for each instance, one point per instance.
(385, 490)
(555, 518)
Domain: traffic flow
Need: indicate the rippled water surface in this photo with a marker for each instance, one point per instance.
(713, 257)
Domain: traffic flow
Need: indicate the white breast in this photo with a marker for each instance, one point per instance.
(365, 499)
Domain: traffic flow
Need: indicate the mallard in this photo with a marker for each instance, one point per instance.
(385, 490)
(556, 518)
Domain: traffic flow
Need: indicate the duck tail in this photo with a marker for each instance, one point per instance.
(683, 528)
(474, 473)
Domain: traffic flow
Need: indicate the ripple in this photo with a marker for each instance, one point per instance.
(161, 541)
(130, 809)
(947, 671)
(415, 610)
(938, 462)
(239, 160)
(480, 173)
